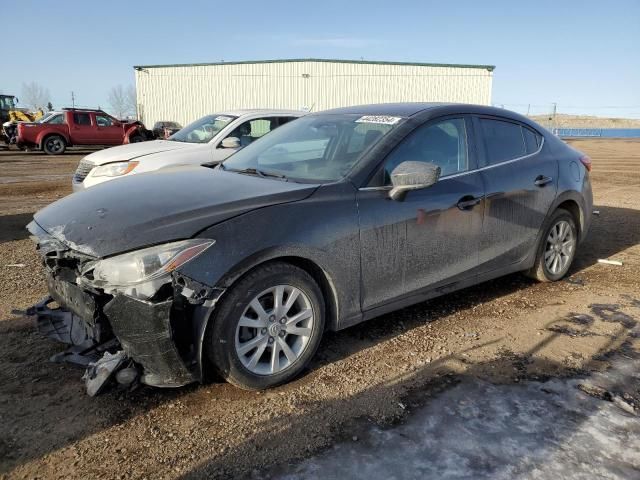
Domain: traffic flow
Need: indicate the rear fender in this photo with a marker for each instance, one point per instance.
(42, 135)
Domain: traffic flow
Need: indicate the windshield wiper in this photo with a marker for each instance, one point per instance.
(254, 171)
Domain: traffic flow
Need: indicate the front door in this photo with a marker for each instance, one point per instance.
(521, 178)
(431, 237)
(109, 130)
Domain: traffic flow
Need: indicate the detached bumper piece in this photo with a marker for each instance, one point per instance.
(126, 341)
(68, 328)
(59, 324)
(85, 349)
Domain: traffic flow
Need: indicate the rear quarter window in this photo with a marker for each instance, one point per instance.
(503, 140)
(532, 140)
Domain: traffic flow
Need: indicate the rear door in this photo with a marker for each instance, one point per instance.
(109, 130)
(430, 239)
(82, 132)
(520, 178)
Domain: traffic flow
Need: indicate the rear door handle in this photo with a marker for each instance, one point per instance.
(468, 202)
(541, 181)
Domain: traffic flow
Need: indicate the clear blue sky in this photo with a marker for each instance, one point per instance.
(584, 55)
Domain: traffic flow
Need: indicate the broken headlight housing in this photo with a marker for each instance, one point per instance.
(115, 169)
(140, 273)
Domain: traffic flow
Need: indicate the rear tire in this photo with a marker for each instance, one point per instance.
(54, 145)
(556, 248)
(250, 325)
(136, 139)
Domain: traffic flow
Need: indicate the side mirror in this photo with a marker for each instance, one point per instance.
(412, 176)
(230, 142)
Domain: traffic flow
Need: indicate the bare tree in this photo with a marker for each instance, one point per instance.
(118, 101)
(122, 100)
(35, 96)
(132, 101)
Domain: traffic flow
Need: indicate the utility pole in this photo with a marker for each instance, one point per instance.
(73, 100)
(528, 109)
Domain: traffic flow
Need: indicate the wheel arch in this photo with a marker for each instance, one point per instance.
(132, 131)
(205, 316)
(44, 135)
(320, 275)
(571, 202)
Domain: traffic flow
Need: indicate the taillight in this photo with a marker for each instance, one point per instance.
(586, 161)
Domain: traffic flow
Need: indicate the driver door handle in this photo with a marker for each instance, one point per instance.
(468, 202)
(541, 181)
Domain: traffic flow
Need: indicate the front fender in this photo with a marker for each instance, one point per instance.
(129, 133)
(321, 231)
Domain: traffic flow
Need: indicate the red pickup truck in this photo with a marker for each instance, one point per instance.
(75, 126)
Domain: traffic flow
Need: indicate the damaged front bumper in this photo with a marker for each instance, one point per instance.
(157, 341)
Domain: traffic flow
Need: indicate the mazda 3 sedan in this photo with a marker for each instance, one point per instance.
(330, 220)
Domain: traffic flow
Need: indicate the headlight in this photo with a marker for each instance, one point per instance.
(114, 169)
(144, 265)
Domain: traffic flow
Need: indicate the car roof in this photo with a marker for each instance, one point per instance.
(398, 109)
(242, 112)
(410, 109)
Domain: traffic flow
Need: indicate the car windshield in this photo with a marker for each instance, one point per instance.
(317, 148)
(202, 130)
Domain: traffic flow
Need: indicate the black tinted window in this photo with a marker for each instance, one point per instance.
(504, 140)
(531, 139)
(81, 119)
(103, 121)
(443, 144)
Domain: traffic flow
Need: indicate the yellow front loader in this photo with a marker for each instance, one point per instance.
(10, 115)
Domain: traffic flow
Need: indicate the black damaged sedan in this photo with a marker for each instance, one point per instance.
(328, 221)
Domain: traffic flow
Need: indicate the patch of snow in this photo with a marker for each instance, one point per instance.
(478, 430)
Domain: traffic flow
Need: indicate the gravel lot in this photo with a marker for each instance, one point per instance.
(372, 375)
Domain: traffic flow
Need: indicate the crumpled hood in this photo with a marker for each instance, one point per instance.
(158, 207)
(135, 150)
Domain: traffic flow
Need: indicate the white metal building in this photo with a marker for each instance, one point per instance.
(184, 93)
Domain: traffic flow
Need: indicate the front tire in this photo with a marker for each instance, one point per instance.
(556, 249)
(54, 145)
(267, 328)
(136, 139)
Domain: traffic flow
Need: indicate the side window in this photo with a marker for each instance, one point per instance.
(81, 119)
(262, 126)
(103, 121)
(504, 140)
(532, 140)
(249, 131)
(443, 143)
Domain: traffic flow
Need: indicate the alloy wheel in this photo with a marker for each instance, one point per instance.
(559, 248)
(274, 330)
(54, 145)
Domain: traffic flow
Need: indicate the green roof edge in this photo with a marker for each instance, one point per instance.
(327, 60)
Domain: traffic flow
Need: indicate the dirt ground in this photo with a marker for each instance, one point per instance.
(504, 331)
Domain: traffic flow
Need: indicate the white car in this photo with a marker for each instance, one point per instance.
(210, 139)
